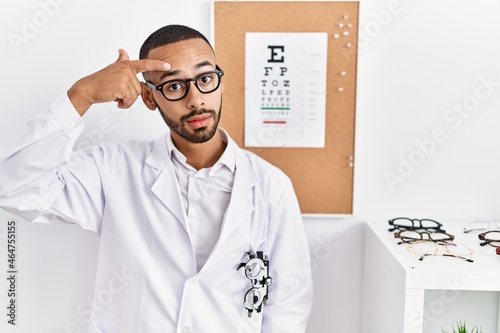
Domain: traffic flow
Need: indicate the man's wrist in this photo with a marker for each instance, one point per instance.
(78, 100)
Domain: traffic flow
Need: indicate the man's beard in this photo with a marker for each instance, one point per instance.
(200, 135)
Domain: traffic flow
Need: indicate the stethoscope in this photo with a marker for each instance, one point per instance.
(257, 271)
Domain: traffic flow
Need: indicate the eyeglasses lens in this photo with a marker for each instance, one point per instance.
(206, 83)
(403, 222)
(253, 270)
(408, 236)
(459, 250)
(429, 224)
(492, 237)
(424, 248)
(253, 297)
(440, 237)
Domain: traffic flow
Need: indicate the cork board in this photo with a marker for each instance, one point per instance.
(322, 177)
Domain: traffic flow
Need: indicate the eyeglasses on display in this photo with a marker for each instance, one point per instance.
(491, 237)
(405, 223)
(175, 90)
(425, 248)
(410, 236)
(481, 226)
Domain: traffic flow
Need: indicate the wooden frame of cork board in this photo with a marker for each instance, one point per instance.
(322, 177)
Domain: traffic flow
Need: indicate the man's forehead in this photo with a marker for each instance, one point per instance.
(181, 49)
(203, 65)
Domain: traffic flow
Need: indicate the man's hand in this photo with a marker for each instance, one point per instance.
(117, 82)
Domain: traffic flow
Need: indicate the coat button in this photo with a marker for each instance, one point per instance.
(186, 330)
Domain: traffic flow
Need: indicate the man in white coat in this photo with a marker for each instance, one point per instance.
(208, 237)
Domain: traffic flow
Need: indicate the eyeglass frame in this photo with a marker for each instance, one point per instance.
(489, 226)
(159, 87)
(450, 237)
(486, 241)
(445, 244)
(413, 227)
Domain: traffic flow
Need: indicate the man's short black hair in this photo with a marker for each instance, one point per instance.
(167, 35)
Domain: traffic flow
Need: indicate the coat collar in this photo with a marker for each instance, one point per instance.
(166, 187)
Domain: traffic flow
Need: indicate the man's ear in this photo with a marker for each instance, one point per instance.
(147, 97)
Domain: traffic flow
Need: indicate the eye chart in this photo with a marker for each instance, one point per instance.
(285, 89)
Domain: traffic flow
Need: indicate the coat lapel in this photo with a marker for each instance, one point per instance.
(239, 211)
(241, 204)
(166, 187)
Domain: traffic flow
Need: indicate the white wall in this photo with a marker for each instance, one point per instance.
(419, 62)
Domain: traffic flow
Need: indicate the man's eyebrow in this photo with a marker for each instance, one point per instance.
(177, 72)
(202, 64)
(169, 73)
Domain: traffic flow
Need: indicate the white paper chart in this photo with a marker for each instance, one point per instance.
(285, 89)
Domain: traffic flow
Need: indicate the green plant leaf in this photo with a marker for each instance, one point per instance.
(462, 328)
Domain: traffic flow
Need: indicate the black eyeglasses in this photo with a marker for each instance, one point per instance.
(405, 223)
(410, 236)
(175, 90)
(491, 237)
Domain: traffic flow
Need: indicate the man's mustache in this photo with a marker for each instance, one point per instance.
(197, 113)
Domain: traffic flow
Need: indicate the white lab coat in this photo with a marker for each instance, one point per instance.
(146, 279)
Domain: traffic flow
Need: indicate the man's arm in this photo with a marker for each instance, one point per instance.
(39, 169)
